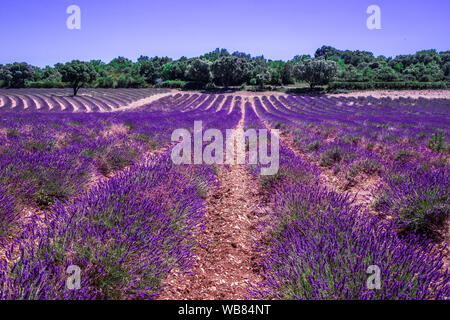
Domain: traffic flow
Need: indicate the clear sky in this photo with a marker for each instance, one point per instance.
(35, 31)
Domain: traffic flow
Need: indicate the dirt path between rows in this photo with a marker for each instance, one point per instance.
(226, 259)
(395, 94)
(145, 101)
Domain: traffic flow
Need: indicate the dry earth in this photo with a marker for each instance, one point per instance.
(226, 259)
(430, 94)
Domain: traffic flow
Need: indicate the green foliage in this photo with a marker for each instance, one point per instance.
(77, 74)
(369, 166)
(349, 70)
(226, 70)
(145, 139)
(12, 133)
(424, 213)
(403, 156)
(151, 69)
(331, 156)
(313, 146)
(14, 75)
(280, 125)
(117, 158)
(437, 141)
(105, 82)
(175, 70)
(172, 84)
(315, 71)
(199, 70)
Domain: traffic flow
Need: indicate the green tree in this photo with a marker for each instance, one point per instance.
(446, 69)
(149, 70)
(386, 74)
(77, 74)
(198, 70)
(105, 82)
(434, 70)
(215, 55)
(226, 70)
(175, 70)
(262, 73)
(316, 71)
(327, 52)
(287, 73)
(120, 65)
(276, 71)
(16, 74)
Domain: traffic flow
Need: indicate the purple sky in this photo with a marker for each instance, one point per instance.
(35, 30)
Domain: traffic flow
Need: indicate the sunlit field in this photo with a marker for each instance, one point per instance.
(88, 181)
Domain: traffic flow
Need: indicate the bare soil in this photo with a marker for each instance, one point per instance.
(430, 94)
(147, 100)
(226, 259)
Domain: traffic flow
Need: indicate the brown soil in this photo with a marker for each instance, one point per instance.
(430, 94)
(226, 259)
(145, 101)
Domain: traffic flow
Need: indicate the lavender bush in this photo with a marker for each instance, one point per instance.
(7, 211)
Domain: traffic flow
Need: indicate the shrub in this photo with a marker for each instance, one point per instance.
(403, 156)
(171, 84)
(324, 246)
(352, 140)
(41, 178)
(210, 86)
(369, 166)
(126, 235)
(437, 141)
(117, 158)
(313, 146)
(331, 156)
(145, 139)
(280, 125)
(417, 199)
(7, 211)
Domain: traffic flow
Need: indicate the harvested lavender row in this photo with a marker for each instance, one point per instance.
(89, 100)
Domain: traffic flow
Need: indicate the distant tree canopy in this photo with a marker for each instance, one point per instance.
(175, 70)
(77, 73)
(225, 69)
(15, 75)
(315, 71)
(198, 70)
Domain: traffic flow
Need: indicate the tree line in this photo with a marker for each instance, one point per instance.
(220, 68)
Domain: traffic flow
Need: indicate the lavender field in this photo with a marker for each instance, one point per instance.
(58, 100)
(363, 182)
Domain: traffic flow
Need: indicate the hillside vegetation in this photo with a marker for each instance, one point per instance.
(340, 69)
